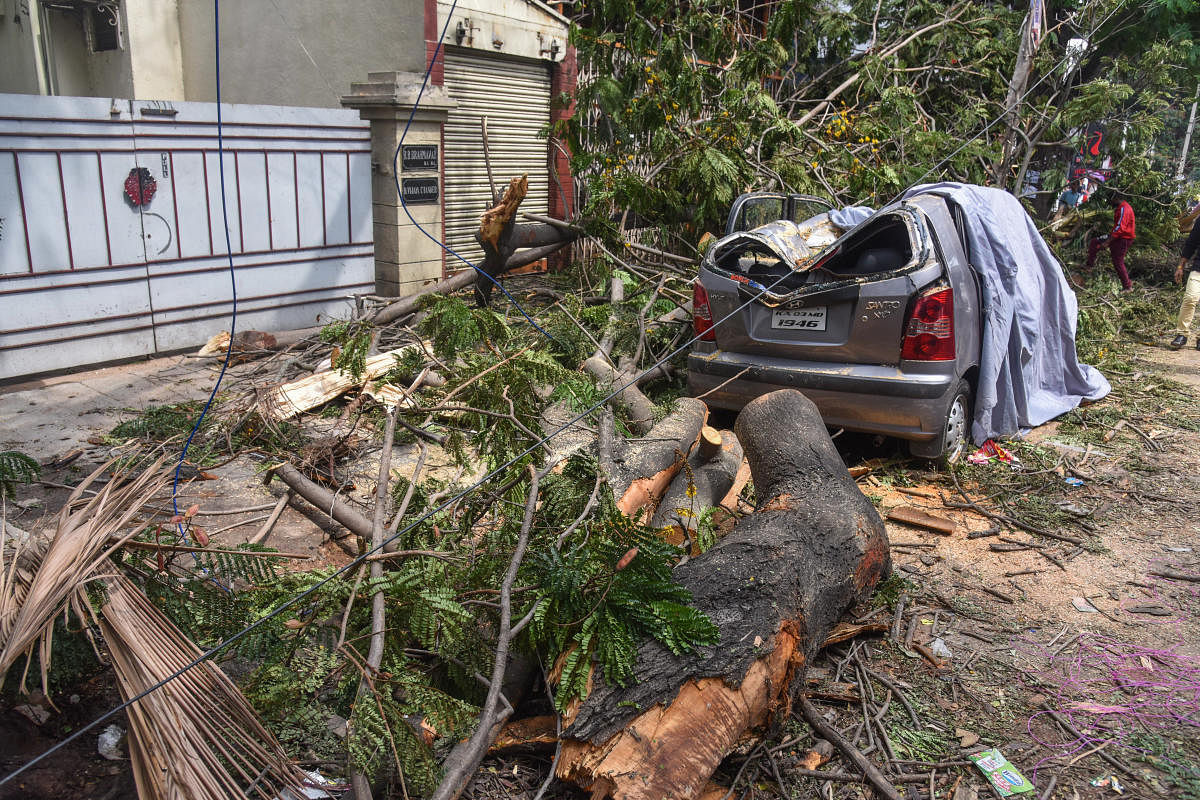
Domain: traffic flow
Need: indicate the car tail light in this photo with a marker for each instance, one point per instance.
(929, 331)
(702, 320)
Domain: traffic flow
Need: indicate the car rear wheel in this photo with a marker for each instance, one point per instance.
(956, 436)
(956, 430)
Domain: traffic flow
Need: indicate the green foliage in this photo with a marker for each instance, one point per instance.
(218, 438)
(159, 423)
(1111, 322)
(353, 340)
(16, 467)
(73, 660)
(457, 329)
(690, 105)
(919, 744)
(504, 389)
(1175, 758)
(408, 365)
(888, 592)
(571, 346)
(706, 530)
(587, 609)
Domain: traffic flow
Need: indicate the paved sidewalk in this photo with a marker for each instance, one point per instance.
(50, 418)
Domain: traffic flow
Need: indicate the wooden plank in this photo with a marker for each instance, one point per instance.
(304, 394)
(915, 516)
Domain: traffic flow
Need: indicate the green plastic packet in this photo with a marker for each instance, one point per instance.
(1000, 772)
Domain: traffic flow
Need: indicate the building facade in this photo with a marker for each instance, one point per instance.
(139, 68)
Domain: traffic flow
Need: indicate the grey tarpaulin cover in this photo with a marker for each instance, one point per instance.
(1029, 372)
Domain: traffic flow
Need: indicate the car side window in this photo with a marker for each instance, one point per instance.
(806, 209)
(756, 211)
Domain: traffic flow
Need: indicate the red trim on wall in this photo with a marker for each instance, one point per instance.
(324, 219)
(123, 124)
(104, 206)
(24, 211)
(218, 266)
(437, 76)
(62, 186)
(208, 203)
(296, 192)
(442, 178)
(237, 178)
(267, 179)
(174, 202)
(349, 203)
(171, 137)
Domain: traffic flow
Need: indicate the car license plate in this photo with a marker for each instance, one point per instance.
(808, 319)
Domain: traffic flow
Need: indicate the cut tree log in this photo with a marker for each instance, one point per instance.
(774, 586)
(710, 441)
(630, 397)
(609, 376)
(730, 501)
(409, 304)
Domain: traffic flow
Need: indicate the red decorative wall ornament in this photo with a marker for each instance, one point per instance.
(140, 187)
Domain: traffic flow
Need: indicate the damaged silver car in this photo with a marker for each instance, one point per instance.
(879, 325)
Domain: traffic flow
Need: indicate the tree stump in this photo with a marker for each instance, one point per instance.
(774, 586)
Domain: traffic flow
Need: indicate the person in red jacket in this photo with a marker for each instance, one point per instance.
(1117, 240)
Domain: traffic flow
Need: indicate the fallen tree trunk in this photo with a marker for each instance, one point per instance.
(609, 376)
(410, 303)
(774, 586)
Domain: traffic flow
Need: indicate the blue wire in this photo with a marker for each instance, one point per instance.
(232, 276)
(400, 192)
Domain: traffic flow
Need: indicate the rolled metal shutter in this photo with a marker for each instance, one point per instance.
(515, 97)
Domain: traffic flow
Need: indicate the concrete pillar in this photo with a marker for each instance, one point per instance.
(405, 259)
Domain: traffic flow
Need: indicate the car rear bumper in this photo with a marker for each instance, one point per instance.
(861, 397)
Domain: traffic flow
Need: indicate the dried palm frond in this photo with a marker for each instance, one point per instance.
(33, 591)
(196, 737)
(20, 554)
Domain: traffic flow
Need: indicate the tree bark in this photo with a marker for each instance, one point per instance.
(324, 500)
(408, 305)
(1012, 104)
(608, 376)
(1181, 172)
(774, 586)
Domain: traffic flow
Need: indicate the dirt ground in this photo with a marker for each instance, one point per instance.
(1035, 628)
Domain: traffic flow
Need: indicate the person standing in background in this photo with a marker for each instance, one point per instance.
(1191, 292)
(1117, 240)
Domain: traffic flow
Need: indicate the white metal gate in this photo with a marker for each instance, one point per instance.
(514, 95)
(112, 243)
